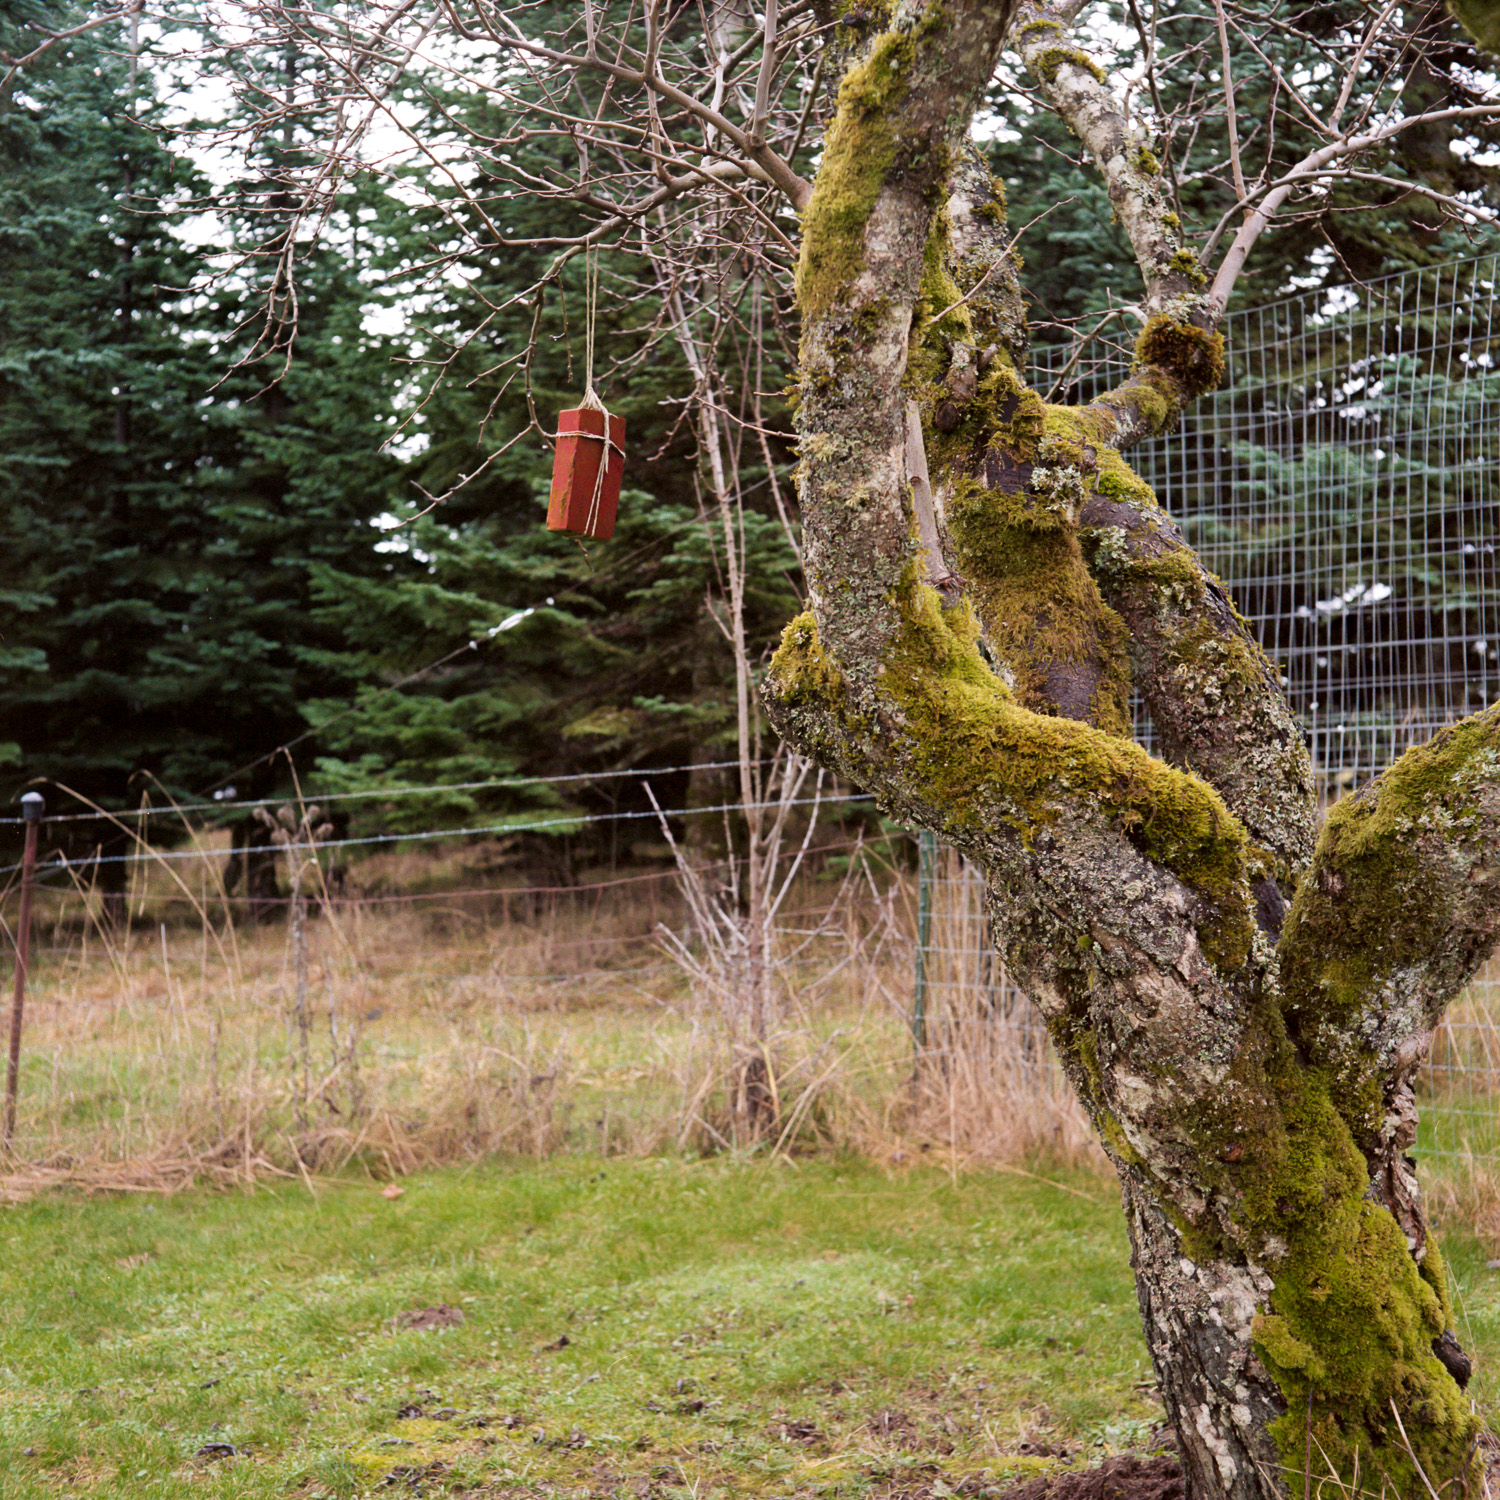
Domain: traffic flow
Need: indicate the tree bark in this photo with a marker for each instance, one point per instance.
(1199, 1323)
(1247, 1067)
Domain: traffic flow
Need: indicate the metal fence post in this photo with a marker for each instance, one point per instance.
(926, 864)
(32, 807)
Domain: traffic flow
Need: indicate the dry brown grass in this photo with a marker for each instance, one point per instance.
(475, 1021)
(527, 1022)
(987, 1082)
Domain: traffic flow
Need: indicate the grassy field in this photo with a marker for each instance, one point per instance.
(657, 1328)
(695, 1328)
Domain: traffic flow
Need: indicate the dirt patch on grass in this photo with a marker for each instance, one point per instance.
(1123, 1478)
(429, 1319)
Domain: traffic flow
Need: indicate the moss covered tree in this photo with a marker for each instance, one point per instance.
(1240, 1000)
(1248, 1063)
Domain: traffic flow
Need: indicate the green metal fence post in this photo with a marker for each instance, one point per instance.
(926, 862)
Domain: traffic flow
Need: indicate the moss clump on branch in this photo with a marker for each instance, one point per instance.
(857, 155)
(864, 144)
(939, 296)
(1175, 363)
(1393, 867)
(1192, 356)
(1039, 27)
(1481, 19)
(1049, 60)
(1185, 263)
(1352, 1319)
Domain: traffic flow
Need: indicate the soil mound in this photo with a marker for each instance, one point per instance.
(1123, 1478)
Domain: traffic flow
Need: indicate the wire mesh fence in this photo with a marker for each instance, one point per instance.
(1345, 486)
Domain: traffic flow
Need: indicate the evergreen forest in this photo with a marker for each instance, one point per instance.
(221, 576)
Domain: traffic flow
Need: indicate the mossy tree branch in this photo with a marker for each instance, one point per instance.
(903, 112)
(1214, 698)
(1401, 905)
(1073, 85)
(1180, 354)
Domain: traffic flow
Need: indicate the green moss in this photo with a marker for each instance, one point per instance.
(1146, 161)
(1349, 1329)
(1002, 414)
(1150, 398)
(1119, 481)
(995, 209)
(973, 742)
(1434, 1272)
(804, 670)
(1350, 1338)
(1283, 1351)
(1045, 63)
(858, 153)
(1481, 20)
(1186, 263)
(1352, 1317)
(940, 293)
(1192, 356)
(1370, 841)
(867, 12)
(1018, 550)
(1041, 608)
(1379, 895)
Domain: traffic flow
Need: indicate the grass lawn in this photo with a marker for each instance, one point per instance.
(661, 1327)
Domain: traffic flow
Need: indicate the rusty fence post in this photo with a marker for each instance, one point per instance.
(32, 807)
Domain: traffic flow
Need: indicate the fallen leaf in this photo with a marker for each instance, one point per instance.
(392, 1190)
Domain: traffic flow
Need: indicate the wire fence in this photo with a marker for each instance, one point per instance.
(1345, 486)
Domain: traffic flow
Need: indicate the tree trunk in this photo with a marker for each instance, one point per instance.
(983, 593)
(1199, 1323)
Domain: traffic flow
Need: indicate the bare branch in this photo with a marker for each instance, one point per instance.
(1313, 166)
(131, 9)
(1227, 74)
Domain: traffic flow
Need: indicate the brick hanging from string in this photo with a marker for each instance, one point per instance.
(588, 466)
(586, 472)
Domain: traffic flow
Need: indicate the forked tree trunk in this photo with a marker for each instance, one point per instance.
(1241, 1013)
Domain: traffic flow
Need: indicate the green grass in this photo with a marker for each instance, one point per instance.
(747, 1330)
(692, 1329)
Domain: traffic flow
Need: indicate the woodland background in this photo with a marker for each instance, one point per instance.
(198, 560)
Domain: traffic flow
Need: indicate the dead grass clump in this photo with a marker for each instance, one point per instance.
(985, 1082)
(388, 1036)
(1467, 1194)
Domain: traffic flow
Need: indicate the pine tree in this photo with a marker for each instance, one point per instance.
(161, 523)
